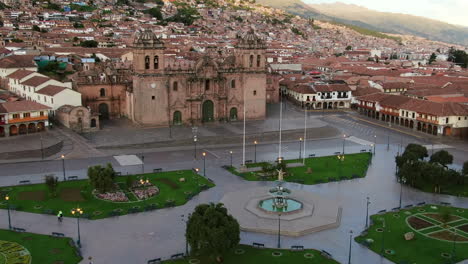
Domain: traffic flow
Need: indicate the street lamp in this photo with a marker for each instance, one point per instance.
(300, 148)
(63, 167)
(388, 142)
(230, 152)
(142, 164)
(279, 230)
(367, 212)
(383, 237)
(7, 199)
(78, 212)
(255, 151)
(375, 142)
(204, 164)
(350, 239)
(186, 240)
(195, 147)
(402, 181)
(344, 138)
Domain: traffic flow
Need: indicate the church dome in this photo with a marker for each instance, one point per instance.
(251, 40)
(147, 40)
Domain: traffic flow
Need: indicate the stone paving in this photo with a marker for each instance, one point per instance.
(139, 237)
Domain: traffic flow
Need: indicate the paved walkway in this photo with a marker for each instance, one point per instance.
(139, 237)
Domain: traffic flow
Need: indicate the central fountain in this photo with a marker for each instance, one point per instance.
(302, 212)
(280, 203)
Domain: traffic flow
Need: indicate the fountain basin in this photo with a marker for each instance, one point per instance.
(290, 206)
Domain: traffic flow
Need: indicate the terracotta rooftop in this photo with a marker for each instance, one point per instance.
(18, 61)
(51, 90)
(36, 81)
(21, 106)
(19, 74)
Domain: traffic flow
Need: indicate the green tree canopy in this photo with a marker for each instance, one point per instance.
(458, 57)
(89, 44)
(102, 178)
(154, 12)
(211, 230)
(465, 169)
(185, 14)
(442, 157)
(349, 48)
(52, 184)
(432, 58)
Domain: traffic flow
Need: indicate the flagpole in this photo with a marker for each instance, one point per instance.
(280, 126)
(243, 145)
(305, 135)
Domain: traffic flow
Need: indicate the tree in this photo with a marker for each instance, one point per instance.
(442, 157)
(36, 28)
(89, 44)
(349, 48)
(155, 12)
(52, 184)
(432, 58)
(465, 169)
(78, 25)
(458, 57)
(444, 216)
(416, 151)
(102, 178)
(212, 231)
(185, 14)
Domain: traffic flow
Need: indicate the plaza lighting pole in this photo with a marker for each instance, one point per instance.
(305, 136)
(280, 127)
(243, 139)
(142, 164)
(367, 212)
(402, 181)
(300, 148)
(195, 147)
(63, 167)
(204, 164)
(388, 142)
(350, 239)
(375, 142)
(7, 199)
(78, 212)
(344, 138)
(383, 238)
(230, 152)
(279, 230)
(255, 155)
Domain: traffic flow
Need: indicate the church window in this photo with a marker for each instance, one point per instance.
(259, 59)
(233, 84)
(147, 62)
(207, 85)
(251, 60)
(255, 92)
(153, 97)
(175, 86)
(102, 92)
(156, 62)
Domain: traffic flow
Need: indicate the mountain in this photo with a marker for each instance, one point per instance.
(375, 20)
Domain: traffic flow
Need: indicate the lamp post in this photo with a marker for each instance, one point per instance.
(279, 230)
(230, 152)
(344, 138)
(350, 239)
(383, 237)
(42, 148)
(367, 212)
(142, 164)
(7, 199)
(186, 240)
(300, 148)
(195, 147)
(63, 167)
(204, 164)
(255, 151)
(402, 181)
(78, 212)
(375, 142)
(453, 246)
(388, 142)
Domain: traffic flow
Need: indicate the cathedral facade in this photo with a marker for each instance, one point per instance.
(213, 88)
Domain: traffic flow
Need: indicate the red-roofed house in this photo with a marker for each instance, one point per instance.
(22, 117)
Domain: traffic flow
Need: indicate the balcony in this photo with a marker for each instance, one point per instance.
(390, 113)
(436, 122)
(28, 119)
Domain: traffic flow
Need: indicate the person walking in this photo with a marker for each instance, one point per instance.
(90, 260)
(60, 216)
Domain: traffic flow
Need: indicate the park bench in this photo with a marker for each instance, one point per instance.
(382, 211)
(177, 256)
(300, 181)
(363, 150)
(189, 196)
(203, 187)
(157, 170)
(18, 229)
(25, 182)
(133, 210)
(13, 207)
(337, 153)
(118, 173)
(114, 213)
(343, 178)
(72, 178)
(396, 208)
(311, 155)
(421, 203)
(170, 203)
(151, 207)
(57, 234)
(325, 254)
(297, 248)
(210, 180)
(154, 261)
(258, 245)
(355, 176)
(48, 211)
(86, 216)
(444, 203)
(408, 206)
(248, 161)
(331, 179)
(78, 253)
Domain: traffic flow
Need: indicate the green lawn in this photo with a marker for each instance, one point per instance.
(263, 256)
(324, 169)
(455, 189)
(41, 249)
(421, 249)
(36, 198)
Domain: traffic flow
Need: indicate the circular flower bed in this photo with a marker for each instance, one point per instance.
(118, 210)
(380, 230)
(446, 255)
(145, 193)
(408, 212)
(308, 255)
(194, 261)
(390, 252)
(434, 207)
(37, 207)
(239, 251)
(460, 210)
(117, 196)
(276, 254)
(421, 210)
(396, 215)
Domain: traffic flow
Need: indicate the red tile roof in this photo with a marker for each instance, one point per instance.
(18, 61)
(21, 106)
(19, 74)
(51, 90)
(36, 81)
(331, 88)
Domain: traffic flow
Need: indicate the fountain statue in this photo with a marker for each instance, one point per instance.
(280, 203)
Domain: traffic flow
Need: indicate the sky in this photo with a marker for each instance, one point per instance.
(450, 11)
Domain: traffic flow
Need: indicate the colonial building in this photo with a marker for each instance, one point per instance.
(78, 118)
(215, 87)
(22, 117)
(448, 119)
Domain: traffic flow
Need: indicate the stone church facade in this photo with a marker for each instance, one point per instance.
(212, 88)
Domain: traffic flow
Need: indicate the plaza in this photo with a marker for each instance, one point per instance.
(160, 233)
